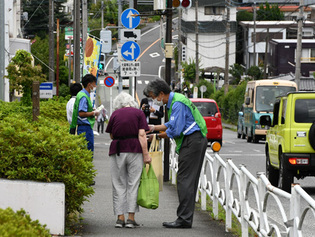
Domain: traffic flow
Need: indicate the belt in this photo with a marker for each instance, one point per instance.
(122, 138)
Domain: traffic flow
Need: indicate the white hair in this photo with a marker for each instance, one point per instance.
(123, 99)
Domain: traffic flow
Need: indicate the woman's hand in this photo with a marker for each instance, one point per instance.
(147, 159)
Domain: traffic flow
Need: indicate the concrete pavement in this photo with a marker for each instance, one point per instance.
(99, 219)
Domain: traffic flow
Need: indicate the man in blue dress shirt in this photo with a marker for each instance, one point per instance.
(188, 128)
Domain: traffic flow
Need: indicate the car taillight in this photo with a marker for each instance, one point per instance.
(299, 161)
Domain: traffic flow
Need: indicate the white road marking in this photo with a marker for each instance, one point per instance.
(139, 82)
(154, 55)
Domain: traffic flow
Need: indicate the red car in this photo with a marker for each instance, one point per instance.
(211, 113)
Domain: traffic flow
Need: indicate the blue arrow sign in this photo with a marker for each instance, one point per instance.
(130, 18)
(130, 50)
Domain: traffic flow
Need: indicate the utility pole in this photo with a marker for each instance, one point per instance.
(102, 16)
(76, 41)
(119, 2)
(227, 48)
(51, 42)
(299, 45)
(84, 23)
(266, 55)
(168, 69)
(179, 47)
(254, 34)
(197, 42)
(57, 61)
(2, 49)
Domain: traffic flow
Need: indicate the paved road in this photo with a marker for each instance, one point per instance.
(99, 219)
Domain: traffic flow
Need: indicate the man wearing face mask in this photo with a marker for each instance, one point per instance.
(188, 128)
(83, 113)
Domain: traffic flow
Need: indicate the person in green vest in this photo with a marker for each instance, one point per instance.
(187, 126)
(83, 116)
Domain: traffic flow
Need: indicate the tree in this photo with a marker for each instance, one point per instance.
(236, 71)
(255, 72)
(38, 16)
(22, 73)
(189, 70)
(269, 13)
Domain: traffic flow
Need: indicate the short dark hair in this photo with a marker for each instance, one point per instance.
(88, 78)
(75, 88)
(156, 86)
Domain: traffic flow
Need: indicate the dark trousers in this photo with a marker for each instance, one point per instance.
(89, 135)
(100, 125)
(191, 156)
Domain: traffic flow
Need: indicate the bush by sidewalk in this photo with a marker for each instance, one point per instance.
(45, 151)
(14, 224)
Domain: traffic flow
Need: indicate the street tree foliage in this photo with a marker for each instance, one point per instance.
(255, 72)
(38, 16)
(189, 68)
(22, 74)
(236, 71)
(269, 12)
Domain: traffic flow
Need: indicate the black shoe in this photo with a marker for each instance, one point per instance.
(176, 224)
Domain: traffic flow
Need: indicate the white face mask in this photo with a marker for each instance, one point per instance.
(157, 102)
(93, 89)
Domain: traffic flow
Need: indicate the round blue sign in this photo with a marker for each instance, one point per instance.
(130, 18)
(109, 81)
(130, 50)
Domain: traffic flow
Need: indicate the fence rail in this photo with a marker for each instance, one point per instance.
(231, 186)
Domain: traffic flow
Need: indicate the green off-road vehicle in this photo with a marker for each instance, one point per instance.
(290, 141)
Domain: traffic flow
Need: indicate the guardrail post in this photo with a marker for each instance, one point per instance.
(261, 193)
(244, 224)
(203, 196)
(215, 203)
(228, 211)
(295, 202)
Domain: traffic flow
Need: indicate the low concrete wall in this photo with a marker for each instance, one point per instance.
(42, 201)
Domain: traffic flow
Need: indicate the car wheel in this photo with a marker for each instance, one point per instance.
(238, 134)
(311, 135)
(243, 134)
(248, 138)
(271, 173)
(285, 176)
(255, 139)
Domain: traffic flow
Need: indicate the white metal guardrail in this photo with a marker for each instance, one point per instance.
(230, 186)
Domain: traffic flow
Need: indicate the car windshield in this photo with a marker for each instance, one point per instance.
(266, 96)
(206, 109)
(304, 111)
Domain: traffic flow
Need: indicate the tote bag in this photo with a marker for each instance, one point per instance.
(148, 192)
(156, 162)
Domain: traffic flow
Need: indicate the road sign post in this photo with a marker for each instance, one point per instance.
(130, 18)
(109, 81)
(130, 69)
(130, 51)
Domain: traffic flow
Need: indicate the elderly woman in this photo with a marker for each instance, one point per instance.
(128, 153)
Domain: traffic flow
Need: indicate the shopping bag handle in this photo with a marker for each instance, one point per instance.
(154, 144)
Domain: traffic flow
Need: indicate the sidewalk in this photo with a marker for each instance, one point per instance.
(99, 219)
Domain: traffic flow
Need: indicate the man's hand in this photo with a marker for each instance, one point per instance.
(96, 113)
(150, 137)
(151, 127)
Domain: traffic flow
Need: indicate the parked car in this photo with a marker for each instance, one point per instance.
(240, 124)
(211, 113)
(290, 140)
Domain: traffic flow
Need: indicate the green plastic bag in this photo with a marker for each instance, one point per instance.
(148, 192)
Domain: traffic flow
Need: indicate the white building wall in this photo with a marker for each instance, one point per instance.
(211, 49)
(189, 15)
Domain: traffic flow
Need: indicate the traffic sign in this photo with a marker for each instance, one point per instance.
(46, 90)
(130, 34)
(130, 18)
(109, 81)
(130, 69)
(130, 50)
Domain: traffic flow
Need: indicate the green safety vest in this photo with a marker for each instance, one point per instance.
(196, 114)
(75, 114)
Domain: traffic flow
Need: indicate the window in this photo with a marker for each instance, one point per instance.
(304, 110)
(284, 109)
(214, 10)
(308, 55)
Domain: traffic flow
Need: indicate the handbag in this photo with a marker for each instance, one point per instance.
(148, 192)
(157, 162)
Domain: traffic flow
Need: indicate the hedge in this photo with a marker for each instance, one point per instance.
(45, 151)
(18, 224)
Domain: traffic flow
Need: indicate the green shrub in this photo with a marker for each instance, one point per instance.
(45, 151)
(231, 103)
(18, 224)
